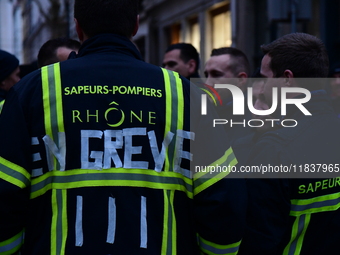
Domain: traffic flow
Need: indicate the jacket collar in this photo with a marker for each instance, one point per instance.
(109, 43)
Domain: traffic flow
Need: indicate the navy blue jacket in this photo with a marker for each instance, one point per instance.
(97, 157)
(296, 212)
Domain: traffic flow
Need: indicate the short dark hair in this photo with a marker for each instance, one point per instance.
(240, 63)
(187, 52)
(305, 55)
(48, 52)
(106, 16)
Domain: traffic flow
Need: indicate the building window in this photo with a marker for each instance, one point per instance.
(175, 33)
(221, 27)
(195, 33)
(191, 32)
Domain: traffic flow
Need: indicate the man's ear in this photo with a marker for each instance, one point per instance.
(80, 32)
(242, 80)
(288, 78)
(191, 66)
(136, 26)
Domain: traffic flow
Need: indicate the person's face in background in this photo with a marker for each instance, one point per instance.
(260, 104)
(11, 80)
(173, 62)
(271, 81)
(267, 72)
(63, 53)
(217, 71)
(217, 67)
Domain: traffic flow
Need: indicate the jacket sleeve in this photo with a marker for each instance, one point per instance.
(268, 203)
(219, 200)
(14, 175)
(220, 213)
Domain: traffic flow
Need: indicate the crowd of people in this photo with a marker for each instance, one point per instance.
(103, 153)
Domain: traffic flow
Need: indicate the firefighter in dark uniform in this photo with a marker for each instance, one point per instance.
(9, 74)
(101, 154)
(296, 211)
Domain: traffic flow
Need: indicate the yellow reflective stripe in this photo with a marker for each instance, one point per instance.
(58, 96)
(1, 105)
(12, 245)
(46, 100)
(180, 102)
(54, 223)
(298, 233)
(64, 224)
(169, 240)
(54, 124)
(330, 202)
(52, 101)
(178, 112)
(165, 223)
(14, 174)
(79, 178)
(213, 248)
(211, 95)
(218, 162)
(203, 180)
(174, 114)
(59, 225)
(173, 227)
(168, 113)
(172, 119)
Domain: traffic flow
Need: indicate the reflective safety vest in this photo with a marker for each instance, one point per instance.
(91, 208)
(312, 213)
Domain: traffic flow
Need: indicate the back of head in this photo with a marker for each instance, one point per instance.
(305, 55)
(106, 16)
(8, 63)
(240, 61)
(48, 52)
(188, 51)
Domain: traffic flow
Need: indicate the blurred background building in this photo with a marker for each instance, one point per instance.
(246, 24)
(26, 24)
